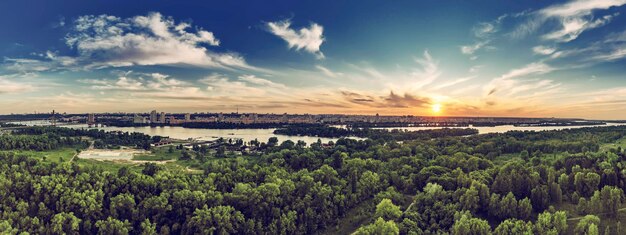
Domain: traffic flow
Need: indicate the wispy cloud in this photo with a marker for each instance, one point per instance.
(483, 32)
(454, 82)
(328, 72)
(511, 83)
(9, 86)
(572, 18)
(309, 39)
(543, 50)
(260, 81)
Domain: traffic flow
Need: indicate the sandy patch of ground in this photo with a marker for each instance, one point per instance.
(110, 154)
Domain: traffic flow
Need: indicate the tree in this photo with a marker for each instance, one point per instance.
(65, 223)
(185, 155)
(123, 206)
(586, 183)
(148, 228)
(551, 223)
(556, 194)
(219, 219)
(540, 198)
(524, 209)
(581, 207)
(272, 141)
(150, 168)
(113, 226)
(584, 226)
(466, 225)
(514, 226)
(593, 230)
(508, 205)
(380, 227)
(611, 199)
(470, 200)
(220, 151)
(387, 210)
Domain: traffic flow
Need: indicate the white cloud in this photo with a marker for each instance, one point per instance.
(328, 72)
(260, 81)
(310, 39)
(110, 41)
(530, 69)
(572, 18)
(508, 84)
(483, 32)
(573, 26)
(580, 7)
(475, 68)
(577, 16)
(131, 82)
(484, 29)
(470, 49)
(615, 54)
(454, 82)
(543, 50)
(428, 73)
(8, 86)
(221, 85)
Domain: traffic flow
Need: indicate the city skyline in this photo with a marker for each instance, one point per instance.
(531, 59)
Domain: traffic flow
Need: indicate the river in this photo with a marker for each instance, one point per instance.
(264, 134)
(502, 128)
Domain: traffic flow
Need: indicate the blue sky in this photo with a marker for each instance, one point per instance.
(479, 58)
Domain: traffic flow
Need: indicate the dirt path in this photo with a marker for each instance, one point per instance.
(76, 154)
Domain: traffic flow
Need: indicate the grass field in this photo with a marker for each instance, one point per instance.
(57, 155)
(159, 154)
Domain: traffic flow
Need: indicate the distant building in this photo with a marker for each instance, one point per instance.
(153, 116)
(162, 117)
(139, 119)
(188, 117)
(91, 118)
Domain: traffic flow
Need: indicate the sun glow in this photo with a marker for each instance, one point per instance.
(436, 108)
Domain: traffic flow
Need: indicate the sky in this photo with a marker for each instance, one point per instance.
(452, 58)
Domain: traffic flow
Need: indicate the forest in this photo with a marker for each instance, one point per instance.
(371, 133)
(435, 182)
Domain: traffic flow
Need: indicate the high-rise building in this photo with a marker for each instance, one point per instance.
(153, 116)
(188, 117)
(91, 118)
(162, 118)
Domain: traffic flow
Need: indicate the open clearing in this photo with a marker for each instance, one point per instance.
(110, 155)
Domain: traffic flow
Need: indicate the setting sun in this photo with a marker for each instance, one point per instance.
(436, 108)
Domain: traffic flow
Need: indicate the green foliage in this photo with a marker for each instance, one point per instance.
(514, 226)
(379, 227)
(551, 223)
(387, 210)
(467, 225)
(113, 226)
(587, 225)
(289, 188)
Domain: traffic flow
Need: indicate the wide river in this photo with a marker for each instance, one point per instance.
(264, 134)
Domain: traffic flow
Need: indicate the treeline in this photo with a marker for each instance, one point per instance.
(102, 139)
(436, 185)
(39, 142)
(395, 134)
(2, 124)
